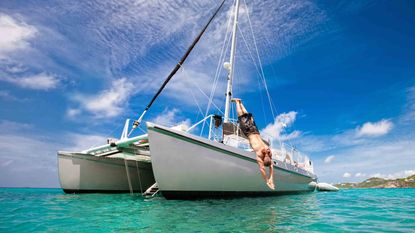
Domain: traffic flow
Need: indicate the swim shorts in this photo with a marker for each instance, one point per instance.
(247, 124)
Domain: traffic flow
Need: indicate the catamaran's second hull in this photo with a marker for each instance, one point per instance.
(84, 173)
(187, 166)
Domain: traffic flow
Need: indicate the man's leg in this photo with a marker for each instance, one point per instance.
(245, 111)
(240, 108)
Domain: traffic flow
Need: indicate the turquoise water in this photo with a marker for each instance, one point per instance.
(363, 210)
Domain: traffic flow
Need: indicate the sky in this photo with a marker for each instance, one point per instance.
(340, 74)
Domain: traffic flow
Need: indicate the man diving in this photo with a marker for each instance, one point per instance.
(262, 151)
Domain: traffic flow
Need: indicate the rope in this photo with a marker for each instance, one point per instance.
(128, 176)
(139, 177)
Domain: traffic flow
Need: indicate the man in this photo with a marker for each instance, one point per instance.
(262, 151)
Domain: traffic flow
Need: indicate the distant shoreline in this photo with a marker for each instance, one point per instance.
(376, 182)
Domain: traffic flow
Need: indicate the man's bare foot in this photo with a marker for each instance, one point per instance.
(236, 100)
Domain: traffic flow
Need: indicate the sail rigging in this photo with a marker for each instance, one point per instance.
(176, 68)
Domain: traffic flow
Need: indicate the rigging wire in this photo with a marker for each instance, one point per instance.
(259, 60)
(106, 136)
(200, 90)
(262, 74)
(289, 141)
(217, 77)
(176, 68)
(272, 106)
(197, 104)
(193, 94)
(225, 44)
(259, 73)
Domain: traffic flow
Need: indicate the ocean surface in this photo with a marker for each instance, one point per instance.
(358, 210)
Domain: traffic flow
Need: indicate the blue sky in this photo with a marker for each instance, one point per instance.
(341, 75)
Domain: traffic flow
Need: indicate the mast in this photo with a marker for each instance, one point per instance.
(230, 66)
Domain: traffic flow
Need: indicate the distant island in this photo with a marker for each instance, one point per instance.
(375, 182)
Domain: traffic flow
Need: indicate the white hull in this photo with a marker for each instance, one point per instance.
(187, 166)
(80, 173)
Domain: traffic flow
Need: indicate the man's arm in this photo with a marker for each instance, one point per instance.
(270, 181)
(271, 172)
(261, 167)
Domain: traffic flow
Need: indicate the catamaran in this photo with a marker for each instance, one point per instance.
(223, 164)
(183, 165)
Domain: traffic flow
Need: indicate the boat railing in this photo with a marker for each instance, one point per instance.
(233, 136)
(291, 155)
(199, 122)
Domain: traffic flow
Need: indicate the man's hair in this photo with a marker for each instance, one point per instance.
(267, 161)
(266, 153)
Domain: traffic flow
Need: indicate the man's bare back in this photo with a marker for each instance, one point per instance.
(262, 151)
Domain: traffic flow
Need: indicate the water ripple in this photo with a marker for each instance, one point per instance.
(363, 210)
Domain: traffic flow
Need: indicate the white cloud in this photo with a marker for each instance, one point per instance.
(35, 155)
(312, 143)
(108, 103)
(409, 112)
(80, 142)
(409, 173)
(7, 126)
(6, 95)
(395, 175)
(359, 174)
(365, 134)
(6, 163)
(11, 67)
(329, 159)
(171, 118)
(73, 112)
(195, 85)
(275, 130)
(387, 156)
(376, 175)
(40, 81)
(374, 129)
(293, 135)
(132, 38)
(347, 175)
(14, 35)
